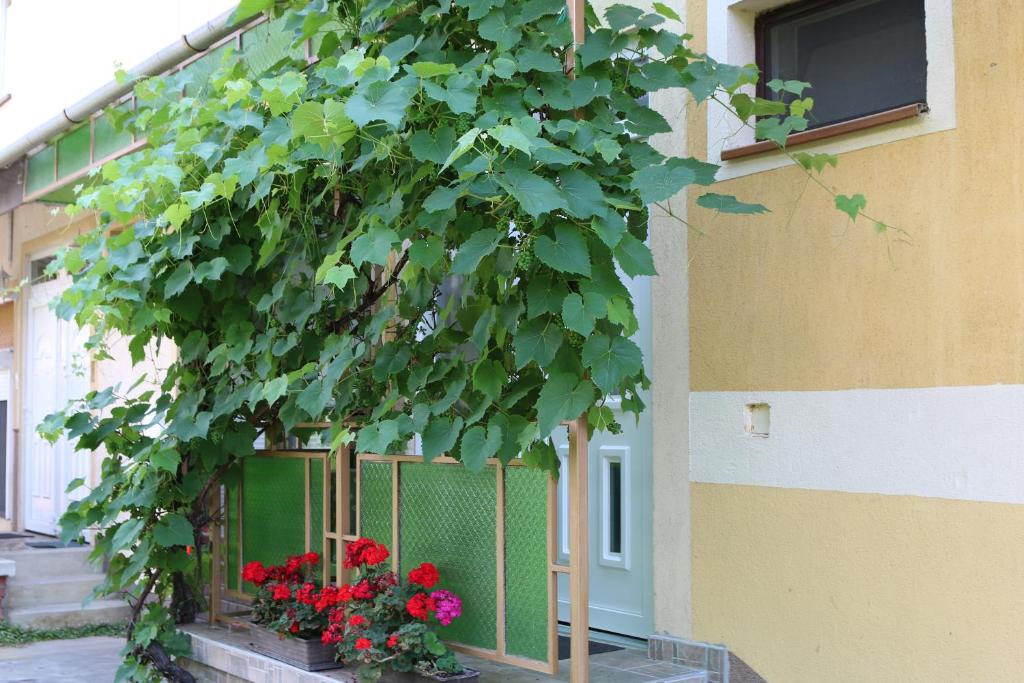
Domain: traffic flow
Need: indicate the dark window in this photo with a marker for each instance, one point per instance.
(615, 506)
(861, 57)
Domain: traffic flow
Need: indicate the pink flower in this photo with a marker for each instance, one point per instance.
(448, 606)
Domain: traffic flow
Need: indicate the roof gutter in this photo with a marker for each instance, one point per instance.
(189, 44)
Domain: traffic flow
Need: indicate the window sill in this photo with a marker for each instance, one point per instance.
(899, 114)
(5, 98)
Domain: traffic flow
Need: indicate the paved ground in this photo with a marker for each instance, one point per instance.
(82, 660)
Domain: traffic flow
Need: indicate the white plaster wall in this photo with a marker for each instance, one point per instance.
(963, 443)
(670, 373)
(58, 51)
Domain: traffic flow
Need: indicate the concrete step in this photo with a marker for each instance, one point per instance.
(49, 590)
(61, 615)
(43, 562)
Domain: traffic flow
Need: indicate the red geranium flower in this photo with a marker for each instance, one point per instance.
(294, 627)
(363, 643)
(310, 558)
(362, 591)
(392, 641)
(425, 575)
(307, 594)
(356, 620)
(255, 572)
(364, 551)
(420, 606)
(282, 592)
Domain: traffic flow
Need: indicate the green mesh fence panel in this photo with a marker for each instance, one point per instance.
(316, 505)
(526, 563)
(375, 505)
(266, 44)
(231, 537)
(40, 169)
(106, 139)
(447, 516)
(202, 69)
(273, 509)
(73, 151)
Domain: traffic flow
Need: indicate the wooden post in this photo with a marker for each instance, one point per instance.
(579, 552)
(216, 528)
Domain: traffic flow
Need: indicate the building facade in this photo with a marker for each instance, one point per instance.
(828, 479)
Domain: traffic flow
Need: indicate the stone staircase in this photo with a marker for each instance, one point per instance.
(49, 585)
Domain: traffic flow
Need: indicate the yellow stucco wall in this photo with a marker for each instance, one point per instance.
(825, 586)
(816, 587)
(802, 300)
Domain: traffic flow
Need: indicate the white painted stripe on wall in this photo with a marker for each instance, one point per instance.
(963, 443)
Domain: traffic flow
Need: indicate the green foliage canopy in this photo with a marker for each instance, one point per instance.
(420, 233)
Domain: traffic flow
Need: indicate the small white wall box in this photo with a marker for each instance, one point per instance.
(758, 419)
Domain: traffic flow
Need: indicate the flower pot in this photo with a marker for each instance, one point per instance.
(309, 655)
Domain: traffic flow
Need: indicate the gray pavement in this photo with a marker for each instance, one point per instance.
(82, 660)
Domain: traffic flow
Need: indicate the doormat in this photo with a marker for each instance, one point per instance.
(7, 534)
(595, 648)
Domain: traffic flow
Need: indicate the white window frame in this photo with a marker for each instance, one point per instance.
(731, 40)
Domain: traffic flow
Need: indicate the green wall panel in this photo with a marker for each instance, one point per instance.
(526, 563)
(447, 516)
(73, 151)
(375, 505)
(107, 139)
(40, 169)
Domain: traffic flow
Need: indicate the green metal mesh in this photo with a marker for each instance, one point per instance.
(73, 151)
(375, 505)
(266, 44)
(316, 505)
(40, 169)
(526, 563)
(447, 516)
(231, 537)
(273, 509)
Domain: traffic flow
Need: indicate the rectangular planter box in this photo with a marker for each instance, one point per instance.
(309, 655)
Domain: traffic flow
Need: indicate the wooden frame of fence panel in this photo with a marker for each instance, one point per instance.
(220, 588)
(578, 578)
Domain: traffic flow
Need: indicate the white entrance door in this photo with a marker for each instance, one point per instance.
(620, 509)
(56, 371)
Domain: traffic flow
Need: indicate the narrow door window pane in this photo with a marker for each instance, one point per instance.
(615, 507)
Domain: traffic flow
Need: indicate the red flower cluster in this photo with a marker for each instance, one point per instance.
(282, 592)
(256, 573)
(306, 594)
(331, 596)
(425, 575)
(420, 606)
(365, 551)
